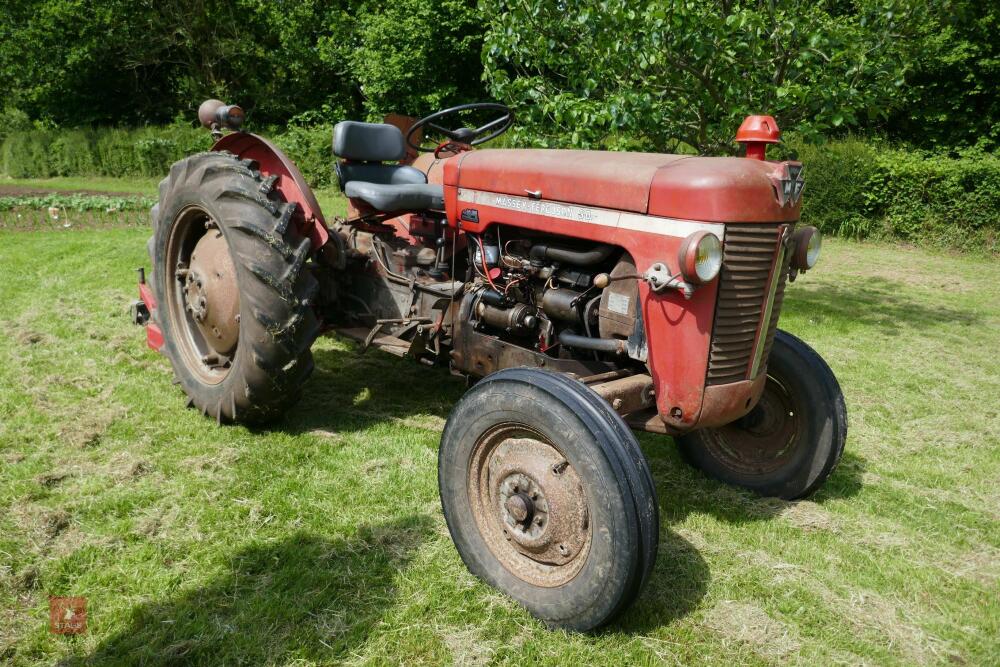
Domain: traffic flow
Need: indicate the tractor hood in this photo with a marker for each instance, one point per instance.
(676, 186)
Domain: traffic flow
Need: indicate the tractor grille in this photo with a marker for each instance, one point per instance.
(744, 288)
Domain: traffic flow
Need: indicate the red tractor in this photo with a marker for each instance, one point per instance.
(590, 293)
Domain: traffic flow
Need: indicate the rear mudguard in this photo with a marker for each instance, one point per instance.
(291, 184)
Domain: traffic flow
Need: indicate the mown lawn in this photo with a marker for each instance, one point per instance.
(321, 539)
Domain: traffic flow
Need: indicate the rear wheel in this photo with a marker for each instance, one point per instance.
(793, 438)
(233, 294)
(548, 497)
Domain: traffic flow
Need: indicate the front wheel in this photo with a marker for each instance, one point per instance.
(791, 441)
(548, 497)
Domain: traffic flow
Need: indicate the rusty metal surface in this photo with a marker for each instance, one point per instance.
(726, 402)
(628, 394)
(212, 294)
(529, 505)
(650, 422)
(778, 300)
(619, 305)
(762, 441)
(191, 307)
(479, 354)
(779, 271)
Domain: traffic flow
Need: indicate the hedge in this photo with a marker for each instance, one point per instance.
(854, 188)
(147, 151)
(863, 189)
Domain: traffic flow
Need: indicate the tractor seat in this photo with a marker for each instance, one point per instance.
(390, 188)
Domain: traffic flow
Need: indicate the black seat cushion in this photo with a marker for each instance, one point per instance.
(391, 198)
(368, 142)
(384, 174)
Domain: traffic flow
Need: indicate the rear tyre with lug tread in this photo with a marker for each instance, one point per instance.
(548, 497)
(232, 288)
(789, 444)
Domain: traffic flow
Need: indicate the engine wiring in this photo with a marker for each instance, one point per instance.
(482, 256)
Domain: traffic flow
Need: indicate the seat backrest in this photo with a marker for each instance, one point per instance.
(368, 142)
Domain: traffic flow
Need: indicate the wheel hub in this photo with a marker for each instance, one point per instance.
(520, 509)
(531, 506)
(762, 441)
(211, 294)
(524, 508)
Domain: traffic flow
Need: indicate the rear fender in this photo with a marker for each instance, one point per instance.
(290, 183)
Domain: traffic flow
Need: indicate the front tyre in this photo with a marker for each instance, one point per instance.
(232, 289)
(791, 441)
(548, 497)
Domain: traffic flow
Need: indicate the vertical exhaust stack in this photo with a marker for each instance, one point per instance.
(756, 133)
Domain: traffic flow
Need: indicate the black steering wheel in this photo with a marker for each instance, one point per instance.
(464, 135)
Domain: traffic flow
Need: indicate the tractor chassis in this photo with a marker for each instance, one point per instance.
(573, 324)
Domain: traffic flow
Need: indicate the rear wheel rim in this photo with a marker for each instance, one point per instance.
(529, 505)
(763, 442)
(202, 295)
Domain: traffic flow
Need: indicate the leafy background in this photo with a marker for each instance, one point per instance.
(892, 104)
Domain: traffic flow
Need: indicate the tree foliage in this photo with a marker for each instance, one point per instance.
(951, 96)
(686, 72)
(80, 62)
(647, 74)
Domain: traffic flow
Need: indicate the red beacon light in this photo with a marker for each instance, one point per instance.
(756, 133)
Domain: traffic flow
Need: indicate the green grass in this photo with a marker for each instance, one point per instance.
(144, 186)
(331, 200)
(321, 539)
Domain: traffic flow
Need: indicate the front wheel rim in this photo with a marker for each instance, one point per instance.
(529, 505)
(764, 441)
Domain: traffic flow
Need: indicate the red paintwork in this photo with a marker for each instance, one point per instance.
(758, 128)
(587, 178)
(291, 184)
(432, 166)
(712, 190)
(154, 337)
(756, 132)
(720, 190)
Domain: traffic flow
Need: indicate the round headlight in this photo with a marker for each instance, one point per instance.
(701, 257)
(807, 246)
